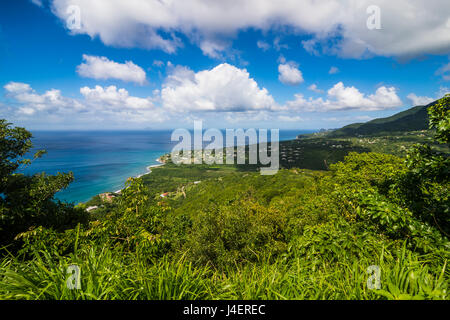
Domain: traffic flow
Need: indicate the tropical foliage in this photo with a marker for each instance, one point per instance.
(27, 201)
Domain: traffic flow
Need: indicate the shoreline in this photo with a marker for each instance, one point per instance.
(149, 170)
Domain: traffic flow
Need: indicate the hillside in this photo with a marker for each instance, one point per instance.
(413, 119)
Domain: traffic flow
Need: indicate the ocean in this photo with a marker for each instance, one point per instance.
(101, 161)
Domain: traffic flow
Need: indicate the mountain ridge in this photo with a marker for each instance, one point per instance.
(413, 119)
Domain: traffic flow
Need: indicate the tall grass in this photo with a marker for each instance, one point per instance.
(113, 274)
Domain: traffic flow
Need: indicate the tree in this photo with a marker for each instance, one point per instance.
(440, 119)
(28, 201)
(424, 186)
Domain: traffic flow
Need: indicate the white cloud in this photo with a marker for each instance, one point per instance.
(310, 46)
(31, 102)
(37, 2)
(27, 111)
(409, 27)
(17, 87)
(213, 48)
(333, 70)
(111, 97)
(223, 88)
(224, 92)
(444, 71)
(103, 68)
(108, 103)
(314, 88)
(248, 116)
(290, 118)
(263, 45)
(278, 45)
(118, 104)
(347, 98)
(290, 74)
(424, 100)
(419, 101)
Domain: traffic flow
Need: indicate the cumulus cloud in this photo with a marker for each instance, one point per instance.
(223, 88)
(419, 101)
(103, 68)
(18, 87)
(104, 103)
(409, 27)
(31, 102)
(114, 98)
(290, 74)
(347, 98)
(119, 104)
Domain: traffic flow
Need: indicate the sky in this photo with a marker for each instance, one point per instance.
(161, 64)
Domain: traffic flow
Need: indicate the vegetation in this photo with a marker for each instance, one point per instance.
(227, 232)
(26, 201)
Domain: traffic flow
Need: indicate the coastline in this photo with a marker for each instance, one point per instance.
(149, 170)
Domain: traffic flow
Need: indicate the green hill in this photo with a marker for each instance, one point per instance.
(412, 119)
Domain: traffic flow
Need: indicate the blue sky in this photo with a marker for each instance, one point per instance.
(155, 65)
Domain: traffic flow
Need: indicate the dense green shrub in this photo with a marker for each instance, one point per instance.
(236, 232)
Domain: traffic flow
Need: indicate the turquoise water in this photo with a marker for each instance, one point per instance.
(103, 160)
